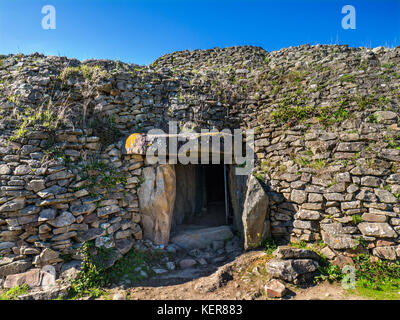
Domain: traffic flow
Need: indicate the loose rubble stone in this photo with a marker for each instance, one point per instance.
(5, 246)
(49, 294)
(22, 170)
(4, 169)
(275, 289)
(288, 252)
(335, 236)
(83, 209)
(48, 277)
(36, 185)
(52, 191)
(307, 215)
(187, 263)
(254, 214)
(47, 214)
(341, 261)
(291, 270)
(32, 278)
(328, 252)
(70, 270)
(119, 296)
(385, 117)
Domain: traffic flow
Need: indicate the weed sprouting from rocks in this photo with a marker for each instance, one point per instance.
(97, 274)
(13, 293)
(87, 72)
(92, 275)
(270, 246)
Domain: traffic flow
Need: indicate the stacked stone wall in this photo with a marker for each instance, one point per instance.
(327, 143)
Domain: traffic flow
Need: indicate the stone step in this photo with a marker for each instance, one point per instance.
(201, 238)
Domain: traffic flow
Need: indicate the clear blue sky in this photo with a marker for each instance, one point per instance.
(140, 31)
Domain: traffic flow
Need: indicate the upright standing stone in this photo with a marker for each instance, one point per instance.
(156, 199)
(255, 228)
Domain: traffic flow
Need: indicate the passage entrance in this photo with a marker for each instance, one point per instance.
(200, 196)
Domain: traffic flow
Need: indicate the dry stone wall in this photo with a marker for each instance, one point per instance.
(327, 144)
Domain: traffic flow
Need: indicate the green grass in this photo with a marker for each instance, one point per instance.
(376, 294)
(347, 78)
(284, 113)
(329, 115)
(259, 176)
(100, 174)
(365, 101)
(388, 65)
(372, 118)
(316, 164)
(393, 142)
(94, 276)
(377, 280)
(381, 275)
(43, 116)
(357, 218)
(270, 246)
(13, 293)
(87, 72)
(328, 272)
(300, 245)
(293, 108)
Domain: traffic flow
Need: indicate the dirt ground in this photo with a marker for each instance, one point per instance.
(240, 279)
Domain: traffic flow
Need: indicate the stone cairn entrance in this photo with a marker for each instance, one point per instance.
(198, 206)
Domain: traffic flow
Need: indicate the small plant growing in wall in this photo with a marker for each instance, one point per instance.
(393, 142)
(270, 245)
(347, 78)
(92, 276)
(357, 218)
(89, 73)
(359, 242)
(265, 165)
(372, 118)
(301, 245)
(44, 116)
(328, 272)
(141, 180)
(259, 176)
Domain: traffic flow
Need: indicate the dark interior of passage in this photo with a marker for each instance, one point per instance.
(200, 196)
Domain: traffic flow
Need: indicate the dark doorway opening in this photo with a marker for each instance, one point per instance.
(215, 200)
(214, 181)
(200, 197)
